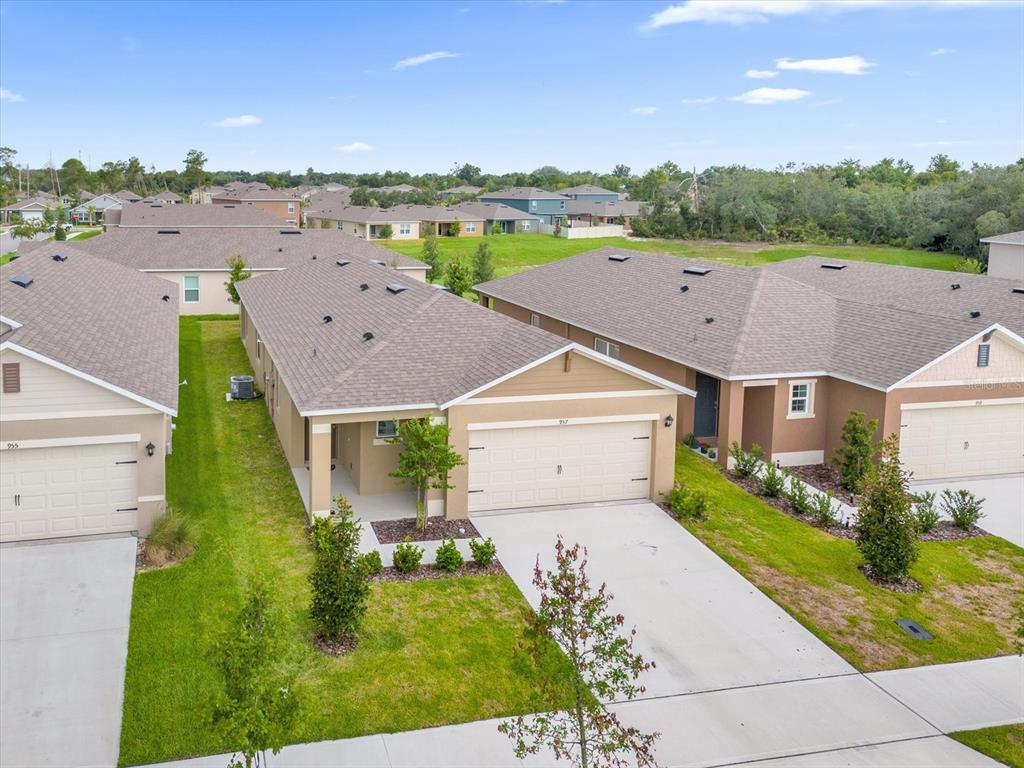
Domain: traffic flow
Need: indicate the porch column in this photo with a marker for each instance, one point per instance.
(730, 418)
(319, 469)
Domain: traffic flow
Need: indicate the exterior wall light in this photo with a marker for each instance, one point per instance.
(669, 421)
(150, 448)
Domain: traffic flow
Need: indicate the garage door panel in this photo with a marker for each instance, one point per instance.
(68, 491)
(963, 441)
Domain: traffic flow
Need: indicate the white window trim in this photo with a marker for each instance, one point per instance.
(608, 348)
(471, 226)
(185, 290)
(535, 320)
(809, 413)
(376, 432)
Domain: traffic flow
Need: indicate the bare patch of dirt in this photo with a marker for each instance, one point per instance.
(340, 647)
(391, 574)
(904, 585)
(437, 528)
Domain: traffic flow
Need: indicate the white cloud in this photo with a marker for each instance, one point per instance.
(941, 52)
(242, 121)
(762, 11)
(355, 146)
(426, 58)
(6, 95)
(771, 95)
(644, 110)
(840, 65)
(912, 73)
(941, 143)
(702, 100)
(761, 74)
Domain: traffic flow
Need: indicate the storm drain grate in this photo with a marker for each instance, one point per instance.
(914, 629)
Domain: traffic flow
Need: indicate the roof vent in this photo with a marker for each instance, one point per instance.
(168, 231)
(684, 288)
(696, 271)
(975, 314)
(59, 257)
(1017, 290)
(155, 205)
(364, 287)
(165, 298)
(378, 261)
(396, 288)
(833, 266)
(290, 232)
(328, 319)
(619, 257)
(343, 262)
(229, 206)
(709, 320)
(955, 287)
(22, 280)
(367, 336)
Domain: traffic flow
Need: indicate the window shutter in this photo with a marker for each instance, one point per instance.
(12, 377)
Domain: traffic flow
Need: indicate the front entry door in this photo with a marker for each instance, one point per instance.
(705, 416)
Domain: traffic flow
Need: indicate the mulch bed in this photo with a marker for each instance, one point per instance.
(438, 528)
(390, 574)
(824, 477)
(336, 647)
(143, 563)
(906, 585)
(946, 531)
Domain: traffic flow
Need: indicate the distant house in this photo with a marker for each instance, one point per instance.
(168, 197)
(365, 221)
(1006, 255)
(590, 192)
(127, 196)
(205, 195)
(97, 210)
(170, 216)
(509, 221)
(593, 213)
(397, 188)
(549, 207)
(29, 211)
(277, 202)
(463, 190)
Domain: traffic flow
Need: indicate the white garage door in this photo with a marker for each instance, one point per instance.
(566, 464)
(67, 491)
(962, 441)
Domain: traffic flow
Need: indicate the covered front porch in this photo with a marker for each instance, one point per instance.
(388, 505)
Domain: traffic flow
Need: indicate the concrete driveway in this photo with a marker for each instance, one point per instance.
(1004, 502)
(64, 610)
(706, 626)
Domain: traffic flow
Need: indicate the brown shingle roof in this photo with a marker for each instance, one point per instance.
(146, 214)
(254, 192)
(493, 211)
(210, 247)
(586, 189)
(428, 346)
(521, 193)
(868, 322)
(98, 318)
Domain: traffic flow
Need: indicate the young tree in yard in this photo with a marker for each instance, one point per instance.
(60, 234)
(578, 620)
(454, 229)
(25, 230)
(483, 264)
(430, 255)
(854, 456)
(385, 232)
(425, 460)
(457, 275)
(91, 212)
(255, 710)
(237, 272)
(886, 525)
(341, 586)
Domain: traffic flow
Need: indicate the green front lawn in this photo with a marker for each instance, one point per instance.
(431, 652)
(970, 586)
(513, 253)
(1004, 743)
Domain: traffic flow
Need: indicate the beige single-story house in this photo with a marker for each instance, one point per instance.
(364, 222)
(343, 350)
(779, 355)
(89, 361)
(30, 211)
(195, 258)
(1006, 255)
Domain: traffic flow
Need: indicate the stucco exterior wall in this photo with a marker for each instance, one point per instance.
(844, 397)
(279, 208)
(758, 417)
(968, 393)
(1006, 261)
(213, 296)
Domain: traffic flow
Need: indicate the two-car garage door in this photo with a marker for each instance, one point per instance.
(940, 441)
(70, 490)
(532, 466)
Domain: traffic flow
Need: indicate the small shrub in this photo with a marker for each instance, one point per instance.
(447, 556)
(171, 539)
(371, 563)
(799, 497)
(854, 456)
(823, 513)
(687, 503)
(484, 551)
(962, 507)
(712, 453)
(340, 584)
(407, 556)
(773, 481)
(320, 532)
(886, 524)
(689, 440)
(746, 462)
(926, 512)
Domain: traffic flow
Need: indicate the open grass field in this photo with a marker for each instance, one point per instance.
(431, 652)
(969, 586)
(513, 253)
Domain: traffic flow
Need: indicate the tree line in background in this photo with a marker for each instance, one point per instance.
(945, 207)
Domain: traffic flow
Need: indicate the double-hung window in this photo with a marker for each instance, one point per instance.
(801, 399)
(605, 347)
(191, 286)
(405, 229)
(471, 226)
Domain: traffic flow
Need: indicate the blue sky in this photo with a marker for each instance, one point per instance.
(512, 86)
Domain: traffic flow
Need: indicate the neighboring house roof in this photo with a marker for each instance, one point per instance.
(462, 189)
(521, 193)
(396, 188)
(603, 208)
(493, 211)
(363, 214)
(30, 204)
(100, 203)
(127, 196)
(208, 248)
(97, 318)
(172, 197)
(254, 193)
(869, 323)
(586, 189)
(1010, 238)
(434, 213)
(145, 214)
(428, 347)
